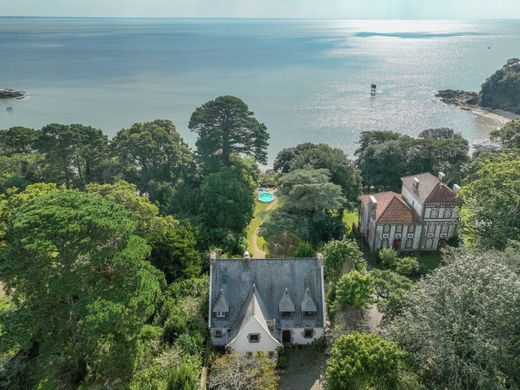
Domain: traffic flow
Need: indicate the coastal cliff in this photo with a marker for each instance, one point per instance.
(501, 91)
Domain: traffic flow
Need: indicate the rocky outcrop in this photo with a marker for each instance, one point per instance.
(11, 94)
(501, 91)
(458, 98)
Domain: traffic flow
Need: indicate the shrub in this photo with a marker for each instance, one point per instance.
(304, 249)
(388, 257)
(355, 289)
(407, 265)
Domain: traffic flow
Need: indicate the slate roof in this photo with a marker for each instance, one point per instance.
(391, 207)
(307, 303)
(271, 277)
(286, 304)
(221, 304)
(431, 189)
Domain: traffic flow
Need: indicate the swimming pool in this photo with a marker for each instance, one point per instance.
(265, 197)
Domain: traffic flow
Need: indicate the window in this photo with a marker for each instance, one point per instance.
(411, 229)
(218, 333)
(254, 337)
(431, 228)
(308, 314)
(444, 228)
(408, 243)
(221, 314)
(286, 314)
(384, 243)
(435, 213)
(429, 243)
(386, 229)
(447, 213)
(308, 333)
(398, 229)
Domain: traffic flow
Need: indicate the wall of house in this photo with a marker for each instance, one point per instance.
(410, 199)
(297, 335)
(363, 218)
(241, 342)
(219, 341)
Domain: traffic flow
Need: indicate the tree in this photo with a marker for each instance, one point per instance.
(492, 199)
(342, 256)
(74, 154)
(407, 265)
(502, 89)
(321, 156)
(227, 204)
(153, 156)
(460, 323)
(17, 140)
(388, 257)
(231, 371)
(391, 290)
(310, 190)
(226, 127)
(356, 289)
(508, 135)
(174, 245)
(304, 249)
(74, 266)
(367, 361)
(385, 157)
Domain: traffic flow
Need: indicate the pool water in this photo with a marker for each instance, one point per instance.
(265, 197)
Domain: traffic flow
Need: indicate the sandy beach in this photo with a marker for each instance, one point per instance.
(499, 116)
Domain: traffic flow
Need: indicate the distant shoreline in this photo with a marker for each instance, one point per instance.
(468, 101)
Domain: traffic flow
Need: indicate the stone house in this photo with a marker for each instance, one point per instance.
(262, 304)
(423, 217)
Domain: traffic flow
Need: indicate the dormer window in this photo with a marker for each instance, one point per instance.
(286, 306)
(309, 314)
(308, 306)
(221, 307)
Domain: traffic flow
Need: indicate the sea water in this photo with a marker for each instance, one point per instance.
(307, 80)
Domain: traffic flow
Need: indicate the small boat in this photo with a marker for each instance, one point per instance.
(9, 109)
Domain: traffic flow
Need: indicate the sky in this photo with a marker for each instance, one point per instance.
(347, 9)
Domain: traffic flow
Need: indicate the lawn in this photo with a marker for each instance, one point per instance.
(428, 261)
(262, 211)
(350, 217)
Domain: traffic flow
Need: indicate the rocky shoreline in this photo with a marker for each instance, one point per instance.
(11, 94)
(468, 101)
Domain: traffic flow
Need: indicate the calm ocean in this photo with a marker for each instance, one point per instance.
(307, 80)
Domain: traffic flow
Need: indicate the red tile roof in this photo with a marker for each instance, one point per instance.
(391, 207)
(431, 189)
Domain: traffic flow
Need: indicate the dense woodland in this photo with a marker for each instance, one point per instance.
(104, 254)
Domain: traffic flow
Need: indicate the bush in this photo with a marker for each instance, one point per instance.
(304, 249)
(407, 265)
(355, 289)
(342, 256)
(388, 257)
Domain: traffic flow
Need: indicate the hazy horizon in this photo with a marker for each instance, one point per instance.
(267, 9)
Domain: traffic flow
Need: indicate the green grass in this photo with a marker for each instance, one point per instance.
(428, 261)
(259, 215)
(350, 217)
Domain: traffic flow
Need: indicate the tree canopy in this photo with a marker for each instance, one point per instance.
(367, 361)
(154, 156)
(82, 287)
(342, 256)
(322, 156)
(508, 135)
(492, 199)
(460, 323)
(502, 89)
(226, 127)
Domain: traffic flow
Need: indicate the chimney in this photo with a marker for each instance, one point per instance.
(319, 256)
(372, 205)
(441, 176)
(456, 188)
(247, 259)
(212, 257)
(416, 183)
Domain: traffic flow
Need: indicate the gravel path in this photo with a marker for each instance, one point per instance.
(305, 370)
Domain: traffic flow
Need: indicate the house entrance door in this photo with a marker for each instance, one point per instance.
(442, 244)
(397, 244)
(286, 336)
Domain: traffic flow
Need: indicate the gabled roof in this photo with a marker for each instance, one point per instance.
(391, 207)
(286, 303)
(307, 303)
(221, 304)
(271, 277)
(252, 308)
(430, 190)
